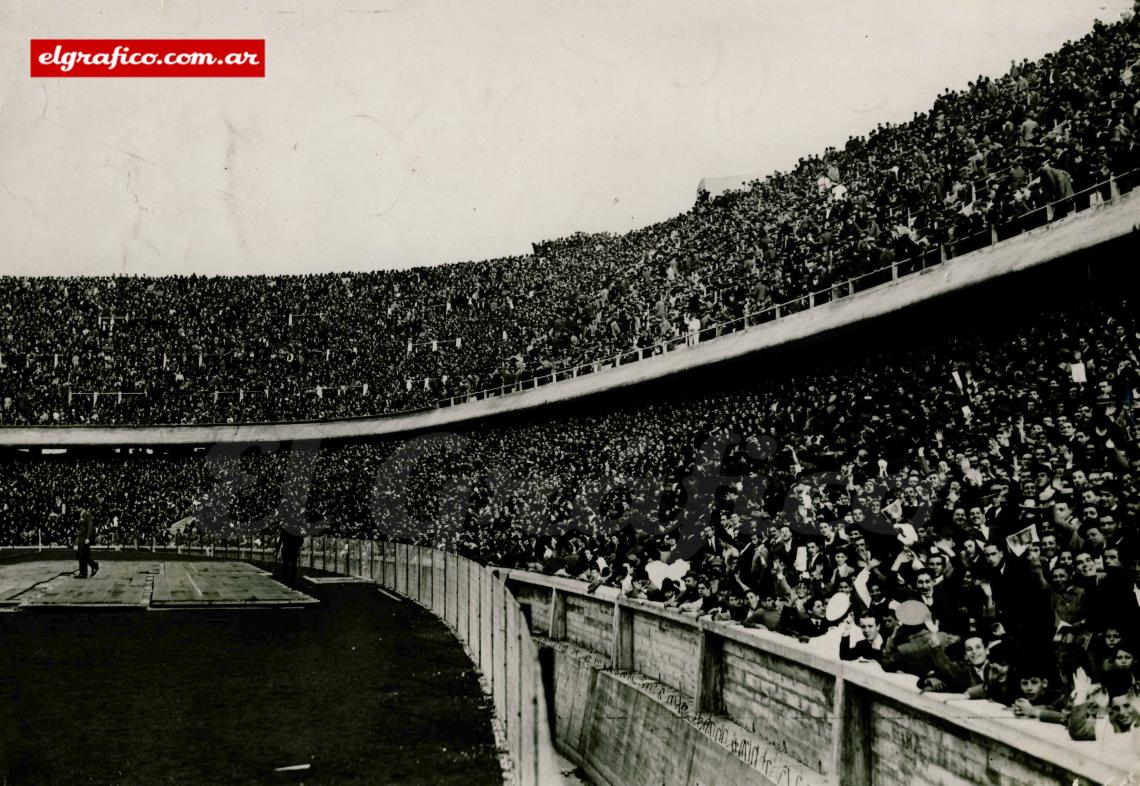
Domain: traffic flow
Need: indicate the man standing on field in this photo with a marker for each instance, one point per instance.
(84, 537)
(289, 544)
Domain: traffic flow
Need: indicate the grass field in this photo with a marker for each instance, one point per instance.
(362, 688)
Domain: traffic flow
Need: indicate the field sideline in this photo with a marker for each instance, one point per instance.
(362, 688)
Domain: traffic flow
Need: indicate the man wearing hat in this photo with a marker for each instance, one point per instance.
(916, 647)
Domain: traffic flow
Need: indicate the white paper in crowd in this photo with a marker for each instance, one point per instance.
(838, 606)
(907, 534)
(1019, 541)
(957, 378)
(967, 412)
(659, 571)
(801, 559)
(1079, 375)
(912, 612)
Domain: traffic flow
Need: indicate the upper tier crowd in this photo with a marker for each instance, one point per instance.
(973, 503)
(981, 163)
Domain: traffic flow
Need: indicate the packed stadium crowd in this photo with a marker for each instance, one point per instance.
(972, 502)
(981, 164)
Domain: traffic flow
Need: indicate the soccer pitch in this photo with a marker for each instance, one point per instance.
(361, 688)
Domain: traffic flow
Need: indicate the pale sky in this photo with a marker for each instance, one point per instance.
(390, 133)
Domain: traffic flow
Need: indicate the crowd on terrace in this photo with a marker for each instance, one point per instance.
(970, 505)
(981, 164)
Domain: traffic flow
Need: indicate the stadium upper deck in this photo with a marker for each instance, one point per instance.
(998, 157)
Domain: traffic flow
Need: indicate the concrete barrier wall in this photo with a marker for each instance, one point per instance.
(475, 603)
(621, 733)
(646, 695)
(788, 705)
(660, 697)
(587, 624)
(1075, 232)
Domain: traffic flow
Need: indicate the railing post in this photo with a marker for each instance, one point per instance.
(941, 252)
(1113, 188)
(811, 300)
(1049, 212)
(472, 606)
(894, 271)
(993, 234)
(556, 627)
(419, 574)
(852, 733)
(407, 569)
(621, 649)
(850, 287)
(777, 312)
(710, 672)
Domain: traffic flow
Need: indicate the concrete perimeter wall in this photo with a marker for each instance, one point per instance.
(639, 695)
(657, 697)
(476, 604)
(900, 288)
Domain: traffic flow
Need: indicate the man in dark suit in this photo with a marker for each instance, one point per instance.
(937, 598)
(1020, 594)
(84, 537)
(809, 625)
(1117, 596)
(289, 544)
(870, 647)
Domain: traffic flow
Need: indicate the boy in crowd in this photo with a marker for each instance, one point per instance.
(870, 647)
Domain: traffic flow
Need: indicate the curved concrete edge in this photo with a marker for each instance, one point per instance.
(626, 730)
(474, 603)
(856, 701)
(1088, 228)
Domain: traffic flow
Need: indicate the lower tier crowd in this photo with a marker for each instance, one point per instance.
(965, 511)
